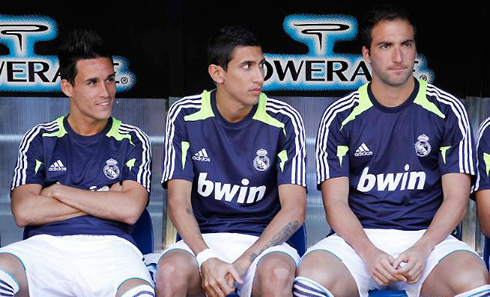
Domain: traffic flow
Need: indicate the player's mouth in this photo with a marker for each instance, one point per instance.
(256, 91)
(104, 104)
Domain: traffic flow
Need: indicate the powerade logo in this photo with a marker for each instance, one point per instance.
(321, 69)
(22, 70)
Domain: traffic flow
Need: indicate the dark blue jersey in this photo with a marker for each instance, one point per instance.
(53, 153)
(235, 168)
(395, 157)
(483, 149)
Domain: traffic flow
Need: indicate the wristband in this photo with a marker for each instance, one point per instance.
(203, 256)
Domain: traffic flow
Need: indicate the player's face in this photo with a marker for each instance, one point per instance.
(94, 90)
(392, 53)
(244, 78)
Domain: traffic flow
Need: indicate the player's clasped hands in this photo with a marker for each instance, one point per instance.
(411, 263)
(407, 267)
(218, 278)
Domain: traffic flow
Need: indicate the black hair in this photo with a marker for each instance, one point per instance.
(79, 45)
(383, 12)
(224, 42)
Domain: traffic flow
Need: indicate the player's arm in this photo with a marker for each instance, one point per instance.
(213, 270)
(456, 188)
(483, 210)
(124, 204)
(341, 218)
(284, 224)
(31, 207)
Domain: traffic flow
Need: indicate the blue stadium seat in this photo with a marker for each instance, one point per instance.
(387, 293)
(142, 233)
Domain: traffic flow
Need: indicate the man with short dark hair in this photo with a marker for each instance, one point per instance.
(394, 164)
(234, 165)
(80, 181)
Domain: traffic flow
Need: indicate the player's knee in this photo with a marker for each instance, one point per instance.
(468, 278)
(12, 275)
(174, 272)
(317, 273)
(276, 275)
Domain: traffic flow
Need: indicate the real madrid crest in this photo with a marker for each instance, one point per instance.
(422, 146)
(111, 170)
(261, 161)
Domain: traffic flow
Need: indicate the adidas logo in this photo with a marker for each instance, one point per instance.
(201, 155)
(363, 150)
(57, 166)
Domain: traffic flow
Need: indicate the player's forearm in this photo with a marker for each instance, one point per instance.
(483, 210)
(449, 215)
(119, 206)
(279, 230)
(456, 188)
(39, 210)
(284, 224)
(345, 223)
(183, 218)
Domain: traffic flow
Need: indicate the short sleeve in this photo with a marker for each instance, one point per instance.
(138, 161)
(30, 167)
(483, 177)
(457, 149)
(177, 162)
(291, 165)
(332, 159)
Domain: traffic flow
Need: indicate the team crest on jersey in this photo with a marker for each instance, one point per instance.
(111, 170)
(261, 161)
(422, 146)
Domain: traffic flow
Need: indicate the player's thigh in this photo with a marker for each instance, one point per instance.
(11, 264)
(328, 270)
(276, 271)
(179, 268)
(456, 273)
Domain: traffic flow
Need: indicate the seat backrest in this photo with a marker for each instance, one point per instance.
(298, 240)
(142, 233)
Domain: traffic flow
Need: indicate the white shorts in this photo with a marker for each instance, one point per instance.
(236, 245)
(79, 265)
(393, 242)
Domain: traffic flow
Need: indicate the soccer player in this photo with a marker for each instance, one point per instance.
(234, 165)
(394, 164)
(80, 181)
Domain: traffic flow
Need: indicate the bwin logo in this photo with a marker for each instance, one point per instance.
(391, 181)
(228, 192)
(22, 70)
(321, 68)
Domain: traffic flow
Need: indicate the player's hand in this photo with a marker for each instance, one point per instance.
(411, 263)
(116, 187)
(49, 191)
(218, 277)
(241, 266)
(381, 267)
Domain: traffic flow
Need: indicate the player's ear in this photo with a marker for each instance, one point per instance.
(366, 54)
(217, 73)
(66, 87)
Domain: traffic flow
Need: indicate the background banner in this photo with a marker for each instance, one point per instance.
(312, 48)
